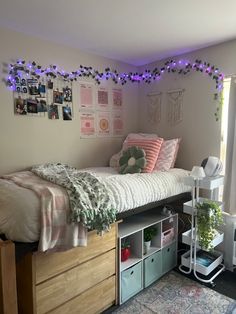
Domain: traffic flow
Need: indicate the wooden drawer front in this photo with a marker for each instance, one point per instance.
(131, 282)
(94, 300)
(71, 283)
(169, 257)
(152, 268)
(49, 265)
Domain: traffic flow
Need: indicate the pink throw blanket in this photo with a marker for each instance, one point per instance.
(56, 233)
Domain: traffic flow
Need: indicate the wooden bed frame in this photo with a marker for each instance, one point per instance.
(81, 280)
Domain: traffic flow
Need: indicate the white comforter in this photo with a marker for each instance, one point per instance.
(20, 207)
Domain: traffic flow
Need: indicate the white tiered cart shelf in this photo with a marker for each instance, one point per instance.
(202, 262)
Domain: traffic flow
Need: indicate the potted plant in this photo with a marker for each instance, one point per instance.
(149, 233)
(209, 218)
(125, 250)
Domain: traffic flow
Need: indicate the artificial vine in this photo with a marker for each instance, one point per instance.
(209, 218)
(182, 67)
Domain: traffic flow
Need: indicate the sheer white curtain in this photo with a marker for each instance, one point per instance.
(230, 168)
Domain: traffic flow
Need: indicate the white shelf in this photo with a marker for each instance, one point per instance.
(132, 260)
(186, 238)
(152, 250)
(214, 260)
(188, 209)
(208, 183)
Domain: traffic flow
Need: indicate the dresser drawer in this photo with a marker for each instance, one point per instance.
(131, 281)
(152, 268)
(169, 257)
(58, 290)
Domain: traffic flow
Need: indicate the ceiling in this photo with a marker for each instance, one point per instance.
(133, 31)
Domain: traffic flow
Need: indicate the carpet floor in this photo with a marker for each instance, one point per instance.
(176, 294)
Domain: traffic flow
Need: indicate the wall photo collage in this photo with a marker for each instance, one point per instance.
(40, 97)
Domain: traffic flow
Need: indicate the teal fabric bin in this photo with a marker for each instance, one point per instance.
(131, 281)
(152, 268)
(169, 257)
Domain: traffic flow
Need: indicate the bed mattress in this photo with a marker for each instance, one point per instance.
(20, 207)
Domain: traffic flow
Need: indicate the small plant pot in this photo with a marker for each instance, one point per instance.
(147, 247)
(125, 254)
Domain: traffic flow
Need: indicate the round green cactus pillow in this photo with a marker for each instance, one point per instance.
(133, 160)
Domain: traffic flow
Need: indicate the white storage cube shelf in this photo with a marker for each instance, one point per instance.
(204, 266)
(132, 231)
(189, 206)
(186, 238)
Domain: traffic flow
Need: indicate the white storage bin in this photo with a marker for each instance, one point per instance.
(206, 262)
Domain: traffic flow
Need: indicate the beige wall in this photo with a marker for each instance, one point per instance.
(25, 141)
(199, 131)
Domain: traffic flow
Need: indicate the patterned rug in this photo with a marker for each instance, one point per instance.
(176, 294)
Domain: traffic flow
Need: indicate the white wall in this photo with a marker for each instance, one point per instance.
(199, 131)
(25, 141)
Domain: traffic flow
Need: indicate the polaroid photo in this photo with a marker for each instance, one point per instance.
(42, 104)
(33, 86)
(20, 106)
(24, 90)
(57, 97)
(17, 80)
(67, 94)
(50, 84)
(32, 106)
(18, 89)
(23, 82)
(53, 112)
(66, 113)
(42, 88)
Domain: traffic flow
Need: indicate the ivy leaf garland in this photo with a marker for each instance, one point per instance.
(181, 67)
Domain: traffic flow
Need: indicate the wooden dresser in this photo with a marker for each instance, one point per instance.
(81, 280)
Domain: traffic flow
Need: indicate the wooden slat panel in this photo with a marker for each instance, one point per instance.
(8, 295)
(92, 301)
(49, 265)
(58, 290)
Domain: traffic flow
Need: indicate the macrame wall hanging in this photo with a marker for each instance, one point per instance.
(175, 106)
(154, 107)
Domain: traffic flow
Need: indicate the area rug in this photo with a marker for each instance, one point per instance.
(176, 294)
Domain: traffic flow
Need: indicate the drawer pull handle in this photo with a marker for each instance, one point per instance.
(132, 272)
(152, 260)
(168, 250)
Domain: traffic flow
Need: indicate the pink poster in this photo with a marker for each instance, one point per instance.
(117, 98)
(118, 124)
(86, 96)
(102, 98)
(87, 124)
(103, 124)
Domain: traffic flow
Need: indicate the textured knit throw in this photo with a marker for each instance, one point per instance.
(89, 199)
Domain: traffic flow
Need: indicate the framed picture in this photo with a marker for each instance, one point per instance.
(57, 97)
(66, 113)
(20, 106)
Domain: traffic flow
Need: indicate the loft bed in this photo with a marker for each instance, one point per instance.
(84, 279)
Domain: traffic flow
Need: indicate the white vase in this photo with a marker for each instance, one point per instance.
(147, 246)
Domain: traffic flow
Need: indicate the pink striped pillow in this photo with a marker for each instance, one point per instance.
(176, 153)
(151, 148)
(167, 155)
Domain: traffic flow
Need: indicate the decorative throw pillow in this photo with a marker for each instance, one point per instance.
(151, 148)
(176, 153)
(132, 160)
(166, 155)
(114, 160)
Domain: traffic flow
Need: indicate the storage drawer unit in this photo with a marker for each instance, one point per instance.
(169, 257)
(152, 268)
(131, 282)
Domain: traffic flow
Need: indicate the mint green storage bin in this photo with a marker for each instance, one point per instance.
(152, 268)
(169, 257)
(131, 282)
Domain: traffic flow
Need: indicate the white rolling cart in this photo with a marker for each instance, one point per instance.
(196, 259)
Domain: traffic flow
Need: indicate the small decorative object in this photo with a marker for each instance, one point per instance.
(175, 106)
(149, 233)
(209, 217)
(212, 166)
(132, 160)
(125, 250)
